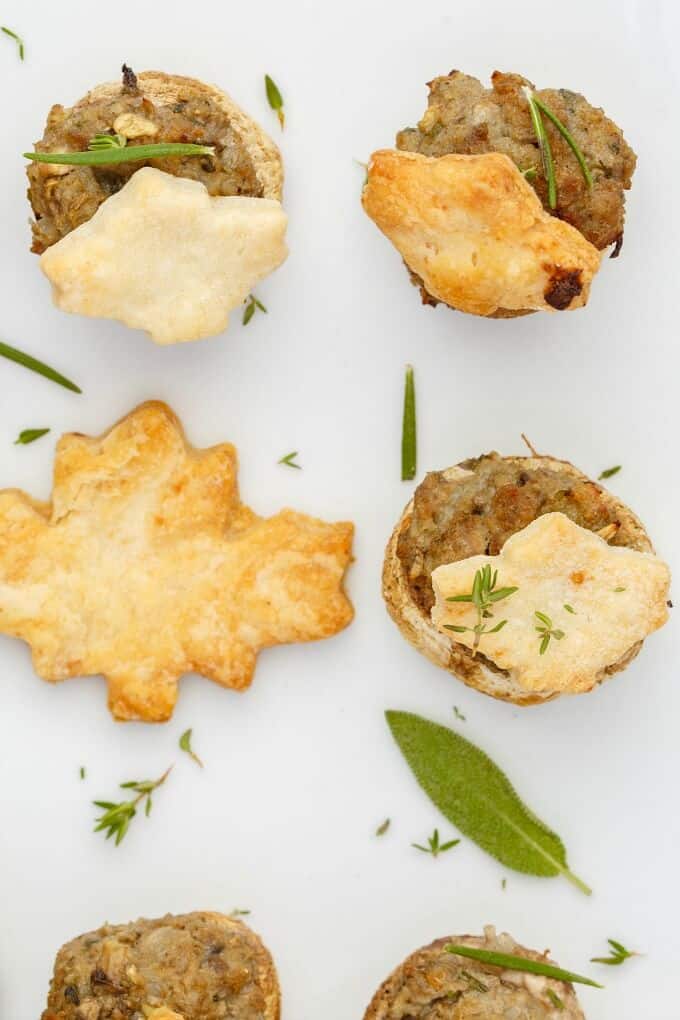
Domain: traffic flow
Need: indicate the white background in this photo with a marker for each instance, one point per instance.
(301, 769)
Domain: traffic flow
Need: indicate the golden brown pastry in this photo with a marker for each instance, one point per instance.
(572, 551)
(146, 566)
(474, 231)
(200, 966)
(433, 984)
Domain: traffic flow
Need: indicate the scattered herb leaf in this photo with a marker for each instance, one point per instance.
(252, 304)
(570, 609)
(483, 596)
(18, 40)
(12, 354)
(619, 589)
(237, 912)
(107, 142)
(29, 436)
(476, 797)
(555, 999)
(618, 954)
(130, 154)
(82, 772)
(458, 714)
(509, 962)
(546, 631)
(383, 827)
(609, 472)
(434, 846)
(531, 173)
(275, 99)
(504, 884)
(117, 817)
(185, 745)
(289, 459)
(408, 429)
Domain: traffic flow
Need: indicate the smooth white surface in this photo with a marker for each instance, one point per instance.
(301, 769)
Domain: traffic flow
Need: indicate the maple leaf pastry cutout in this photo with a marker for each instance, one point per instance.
(146, 566)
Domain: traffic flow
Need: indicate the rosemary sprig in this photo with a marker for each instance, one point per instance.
(547, 631)
(537, 108)
(544, 147)
(252, 305)
(117, 817)
(107, 142)
(12, 354)
(609, 472)
(483, 596)
(289, 460)
(185, 745)
(275, 99)
(569, 139)
(114, 154)
(29, 436)
(18, 40)
(383, 827)
(618, 954)
(509, 962)
(408, 429)
(434, 846)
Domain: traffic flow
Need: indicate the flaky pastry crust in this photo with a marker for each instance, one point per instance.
(475, 232)
(146, 566)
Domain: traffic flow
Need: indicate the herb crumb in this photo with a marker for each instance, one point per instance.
(18, 40)
(383, 827)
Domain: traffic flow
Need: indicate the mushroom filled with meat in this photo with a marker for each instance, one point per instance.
(501, 200)
(157, 202)
(200, 966)
(523, 577)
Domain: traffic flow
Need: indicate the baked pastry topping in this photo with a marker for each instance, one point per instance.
(146, 566)
(163, 256)
(468, 514)
(474, 231)
(203, 964)
(434, 984)
(598, 602)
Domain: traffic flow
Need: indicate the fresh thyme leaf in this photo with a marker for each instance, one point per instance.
(609, 472)
(289, 459)
(107, 142)
(618, 589)
(275, 99)
(531, 173)
(408, 429)
(570, 609)
(618, 954)
(458, 714)
(252, 304)
(129, 154)
(12, 354)
(29, 436)
(555, 999)
(18, 40)
(569, 139)
(484, 595)
(434, 846)
(185, 745)
(476, 797)
(509, 962)
(383, 827)
(547, 631)
(544, 147)
(116, 819)
(82, 772)
(504, 884)
(237, 912)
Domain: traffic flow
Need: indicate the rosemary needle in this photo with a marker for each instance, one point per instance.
(12, 354)
(509, 962)
(127, 154)
(544, 147)
(408, 429)
(18, 40)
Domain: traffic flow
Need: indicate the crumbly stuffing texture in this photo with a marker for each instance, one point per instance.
(473, 230)
(433, 984)
(147, 108)
(147, 565)
(199, 966)
(453, 519)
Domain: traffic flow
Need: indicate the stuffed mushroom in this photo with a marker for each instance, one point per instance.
(523, 578)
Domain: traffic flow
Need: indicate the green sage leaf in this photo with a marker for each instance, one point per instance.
(476, 797)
